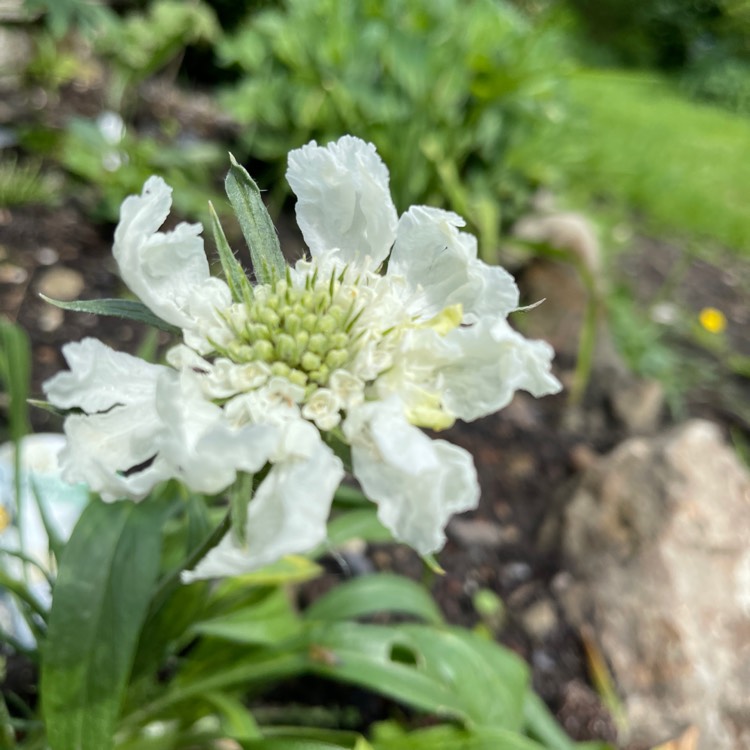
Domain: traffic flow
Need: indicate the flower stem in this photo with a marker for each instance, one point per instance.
(170, 582)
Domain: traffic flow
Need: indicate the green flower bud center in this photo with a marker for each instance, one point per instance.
(303, 334)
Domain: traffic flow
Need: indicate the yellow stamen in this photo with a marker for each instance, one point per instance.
(447, 319)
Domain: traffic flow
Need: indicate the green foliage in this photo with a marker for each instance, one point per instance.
(143, 43)
(257, 227)
(107, 572)
(118, 308)
(721, 80)
(112, 632)
(15, 372)
(61, 16)
(447, 111)
(640, 143)
(23, 183)
(660, 34)
(110, 171)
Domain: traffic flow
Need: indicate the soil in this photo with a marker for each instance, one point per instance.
(528, 456)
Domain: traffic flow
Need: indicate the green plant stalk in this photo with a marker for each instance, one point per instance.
(264, 669)
(172, 581)
(15, 365)
(7, 735)
(586, 347)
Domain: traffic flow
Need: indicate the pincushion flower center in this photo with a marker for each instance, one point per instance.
(302, 334)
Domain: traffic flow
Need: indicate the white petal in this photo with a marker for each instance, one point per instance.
(115, 450)
(323, 408)
(441, 264)
(343, 200)
(100, 377)
(288, 515)
(105, 451)
(168, 271)
(201, 449)
(415, 497)
(495, 361)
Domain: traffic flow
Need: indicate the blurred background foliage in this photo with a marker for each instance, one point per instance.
(630, 112)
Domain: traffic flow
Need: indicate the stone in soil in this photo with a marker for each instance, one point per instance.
(658, 536)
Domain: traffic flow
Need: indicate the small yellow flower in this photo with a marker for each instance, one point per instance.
(712, 320)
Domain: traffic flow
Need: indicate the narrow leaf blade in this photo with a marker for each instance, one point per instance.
(367, 595)
(257, 227)
(106, 576)
(118, 308)
(233, 272)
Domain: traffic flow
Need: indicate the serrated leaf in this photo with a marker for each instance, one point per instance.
(233, 272)
(117, 308)
(104, 584)
(255, 222)
(370, 594)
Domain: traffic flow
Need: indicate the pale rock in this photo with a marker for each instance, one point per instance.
(471, 532)
(540, 619)
(566, 231)
(658, 537)
(16, 50)
(61, 283)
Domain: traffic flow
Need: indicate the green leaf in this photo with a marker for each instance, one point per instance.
(290, 744)
(450, 672)
(233, 271)
(15, 369)
(267, 622)
(259, 669)
(542, 725)
(106, 576)
(355, 524)
(236, 719)
(290, 569)
(240, 496)
(255, 222)
(381, 592)
(117, 308)
(456, 738)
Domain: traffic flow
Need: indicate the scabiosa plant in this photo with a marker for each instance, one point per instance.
(392, 324)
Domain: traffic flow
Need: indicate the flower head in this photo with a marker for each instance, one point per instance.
(333, 351)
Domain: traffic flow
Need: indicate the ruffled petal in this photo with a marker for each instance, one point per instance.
(494, 362)
(168, 271)
(441, 267)
(99, 378)
(114, 453)
(288, 513)
(418, 483)
(113, 447)
(343, 200)
(201, 449)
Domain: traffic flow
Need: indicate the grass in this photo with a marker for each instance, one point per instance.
(684, 165)
(25, 183)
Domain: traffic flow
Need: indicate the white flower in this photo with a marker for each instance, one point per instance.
(334, 347)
